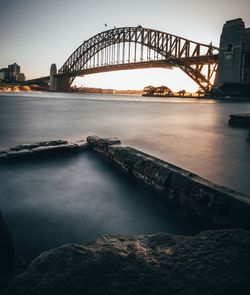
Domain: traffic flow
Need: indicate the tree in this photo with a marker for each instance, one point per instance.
(150, 90)
(163, 90)
(182, 92)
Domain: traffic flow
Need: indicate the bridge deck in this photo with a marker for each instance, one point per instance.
(167, 64)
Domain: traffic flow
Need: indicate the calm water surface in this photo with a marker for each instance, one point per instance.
(76, 199)
(191, 133)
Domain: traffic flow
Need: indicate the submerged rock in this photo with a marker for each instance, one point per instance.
(212, 262)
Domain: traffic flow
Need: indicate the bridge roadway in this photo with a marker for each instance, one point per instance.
(163, 63)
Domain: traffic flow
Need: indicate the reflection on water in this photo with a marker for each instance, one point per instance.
(51, 202)
(188, 132)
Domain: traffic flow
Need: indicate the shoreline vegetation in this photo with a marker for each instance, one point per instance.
(148, 91)
(11, 87)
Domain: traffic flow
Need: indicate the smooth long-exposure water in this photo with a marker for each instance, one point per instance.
(78, 198)
(191, 133)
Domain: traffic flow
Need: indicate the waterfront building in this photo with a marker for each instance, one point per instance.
(4, 74)
(12, 74)
(14, 71)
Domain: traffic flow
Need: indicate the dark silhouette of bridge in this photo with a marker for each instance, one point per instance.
(129, 48)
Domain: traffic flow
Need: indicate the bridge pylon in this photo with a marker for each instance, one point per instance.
(234, 55)
(58, 83)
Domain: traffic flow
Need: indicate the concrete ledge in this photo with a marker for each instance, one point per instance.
(211, 202)
(42, 148)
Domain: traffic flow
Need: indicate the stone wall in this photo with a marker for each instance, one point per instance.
(41, 148)
(213, 203)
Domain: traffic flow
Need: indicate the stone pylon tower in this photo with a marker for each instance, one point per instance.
(52, 81)
(247, 57)
(234, 63)
(59, 82)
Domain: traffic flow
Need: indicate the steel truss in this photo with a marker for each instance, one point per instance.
(130, 47)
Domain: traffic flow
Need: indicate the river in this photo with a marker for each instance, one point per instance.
(79, 198)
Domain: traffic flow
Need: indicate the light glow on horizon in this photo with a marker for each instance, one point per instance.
(53, 29)
(175, 79)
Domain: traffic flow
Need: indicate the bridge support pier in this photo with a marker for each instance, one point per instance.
(234, 57)
(59, 83)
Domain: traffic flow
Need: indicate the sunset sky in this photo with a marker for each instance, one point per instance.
(37, 33)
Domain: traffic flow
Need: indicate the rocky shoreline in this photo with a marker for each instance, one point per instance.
(212, 262)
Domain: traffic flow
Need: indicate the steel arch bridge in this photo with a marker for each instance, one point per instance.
(136, 48)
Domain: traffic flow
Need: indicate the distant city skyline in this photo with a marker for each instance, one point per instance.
(35, 34)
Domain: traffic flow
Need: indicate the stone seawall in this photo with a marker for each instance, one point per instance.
(212, 262)
(213, 203)
(42, 148)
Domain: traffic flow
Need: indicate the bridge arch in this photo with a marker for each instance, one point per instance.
(191, 57)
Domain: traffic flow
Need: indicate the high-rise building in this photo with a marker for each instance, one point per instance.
(14, 71)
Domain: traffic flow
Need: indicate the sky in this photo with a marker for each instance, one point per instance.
(37, 33)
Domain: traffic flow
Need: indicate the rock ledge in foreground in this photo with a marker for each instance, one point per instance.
(213, 262)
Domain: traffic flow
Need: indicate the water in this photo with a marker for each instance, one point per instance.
(76, 199)
(190, 133)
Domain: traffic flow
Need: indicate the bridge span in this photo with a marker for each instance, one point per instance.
(129, 48)
(137, 48)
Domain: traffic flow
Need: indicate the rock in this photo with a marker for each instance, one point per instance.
(7, 254)
(7, 248)
(210, 263)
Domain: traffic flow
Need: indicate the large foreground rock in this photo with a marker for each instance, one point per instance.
(213, 262)
(7, 253)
